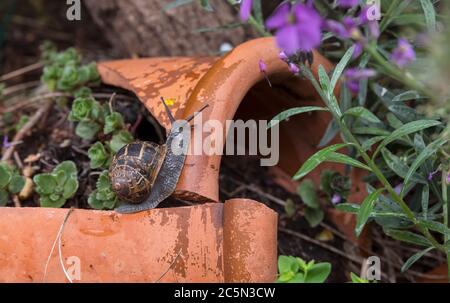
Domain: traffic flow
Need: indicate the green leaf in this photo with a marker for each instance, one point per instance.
(284, 264)
(356, 279)
(16, 184)
(307, 191)
(5, 175)
(340, 67)
(344, 159)
(425, 200)
(369, 143)
(4, 197)
(70, 188)
(436, 226)
(292, 112)
(46, 183)
(348, 207)
(68, 167)
(298, 278)
(414, 258)
(318, 273)
(314, 216)
(407, 96)
(45, 201)
(430, 14)
(324, 80)
(176, 3)
(316, 159)
(405, 130)
(330, 133)
(289, 208)
(113, 122)
(408, 237)
(422, 157)
(98, 156)
(87, 129)
(81, 109)
(119, 140)
(363, 113)
(398, 167)
(365, 210)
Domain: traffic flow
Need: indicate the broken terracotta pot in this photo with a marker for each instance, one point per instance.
(213, 242)
(235, 88)
(233, 241)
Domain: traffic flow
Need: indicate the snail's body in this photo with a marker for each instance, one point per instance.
(144, 173)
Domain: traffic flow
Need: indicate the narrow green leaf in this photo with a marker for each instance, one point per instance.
(330, 133)
(340, 67)
(176, 3)
(408, 237)
(414, 258)
(398, 167)
(324, 80)
(344, 159)
(436, 226)
(365, 210)
(316, 159)
(430, 14)
(364, 113)
(422, 157)
(425, 200)
(406, 96)
(348, 207)
(369, 143)
(405, 130)
(292, 112)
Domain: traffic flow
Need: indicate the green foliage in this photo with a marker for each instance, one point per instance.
(308, 193)
(63, 71)
(11, 182)
(57, 187)
(296, 270)
(103, 197)
(120, 139)
(356, 279)
(99, 156)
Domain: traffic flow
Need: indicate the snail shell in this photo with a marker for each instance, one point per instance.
(134, 169)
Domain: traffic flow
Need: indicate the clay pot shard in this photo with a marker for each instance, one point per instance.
(213, 242)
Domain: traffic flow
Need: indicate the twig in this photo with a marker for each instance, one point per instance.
(27, 128)
(32, 100)
(16, 201)
(21, 71)
(19, 87)
(57, 239)
(170, 266)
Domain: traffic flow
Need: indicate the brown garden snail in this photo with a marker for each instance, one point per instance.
(145, 173)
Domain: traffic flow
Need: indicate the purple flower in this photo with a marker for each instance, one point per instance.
(298, 28)
(282, 55)
(245, 10)
(336, 199)
(263, 69)
(262, 66)
(372, 23)
(336, 28)
(354, 75)
(431, 175)
(348, 3)
(398, 189)
(294, 68)
(448, 178)
(403, 54)
(6, 144)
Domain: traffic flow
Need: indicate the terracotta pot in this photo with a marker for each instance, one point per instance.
(234, 88)
(214, 242)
